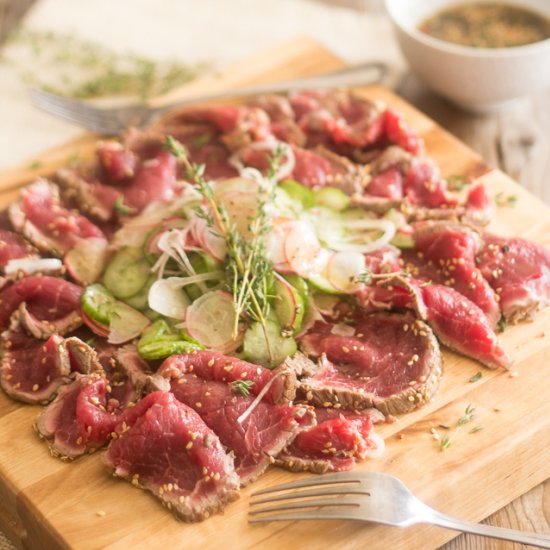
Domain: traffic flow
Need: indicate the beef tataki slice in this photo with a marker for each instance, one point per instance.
(254, 431)
(77, 422)
(171, 452)
(392, 363)
(336, 443)
(32, 370)
(211, 365)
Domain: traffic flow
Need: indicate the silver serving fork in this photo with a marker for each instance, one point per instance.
(365, 496)
(113, 120)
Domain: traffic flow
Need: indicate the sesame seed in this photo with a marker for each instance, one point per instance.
(211, 363)
(189, 445)
(101, 513)
(35, 387)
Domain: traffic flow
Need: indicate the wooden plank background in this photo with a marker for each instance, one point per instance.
(51, 504)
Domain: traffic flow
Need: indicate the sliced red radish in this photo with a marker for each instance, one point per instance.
(125, 323)
(87, 260)
(275, 248)
(343, 269)
(208, 240)
(166, 296)
(301, 247)
(211, 319)
(94, 326)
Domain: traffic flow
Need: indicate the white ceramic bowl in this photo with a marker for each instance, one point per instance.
(477, 79)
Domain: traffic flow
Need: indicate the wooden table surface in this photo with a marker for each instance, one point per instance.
(516, 140)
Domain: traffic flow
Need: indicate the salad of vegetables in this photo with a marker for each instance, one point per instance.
(234, 265)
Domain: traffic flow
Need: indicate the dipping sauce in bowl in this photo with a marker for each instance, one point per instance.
(487, 25)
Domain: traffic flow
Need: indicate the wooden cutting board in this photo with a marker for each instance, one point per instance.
(46, 503)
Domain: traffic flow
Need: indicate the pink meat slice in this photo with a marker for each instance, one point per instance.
(336, 443)
(255, 439)
(116, 163)
(31, 370)
(41, 218)
(461, 325)
(445, 253)
(519, 272)
(13, 247)
(214, 366)
(424, 186)
(170, 451)
(77, 422)
(391, 362)
(154, 180)
(51, 305)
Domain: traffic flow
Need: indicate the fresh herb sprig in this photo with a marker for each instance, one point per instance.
(467, 417)
(249, 272)
(242, 387)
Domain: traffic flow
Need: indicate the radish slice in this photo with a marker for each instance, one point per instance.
(342, 270)
(301, 247)
(379, 445)
(355, 232)
(210, 321)
(125, 323)
(86, 261)
(32, 265)
(166, 296)
(94, 326)
(212, 244)
(275, 248)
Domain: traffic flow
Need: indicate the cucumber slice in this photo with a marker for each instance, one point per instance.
(332, 198)
(298, 192)
(141, 299)
(159, 341)
(255, 346)
(321, 283)
(97, 303)
(202, 263)
(289, 306)
(127, 273)
(300, 285)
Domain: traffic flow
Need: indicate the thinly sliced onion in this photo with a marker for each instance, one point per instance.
(343, 269)
(32, 265)
(166, 296)
(379, 445)
(275, 248)
(257, 399)
(354, 229)
(210, 320)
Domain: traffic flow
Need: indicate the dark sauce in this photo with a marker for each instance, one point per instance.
(487, 25)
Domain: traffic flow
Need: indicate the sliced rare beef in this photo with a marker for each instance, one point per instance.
(445, 253)
(128, 374)
(14, 247)
(41, 218)
(90, 195)
(77, 421)
(170, 451)
(457, 322)
(335, 444)
(519, 272)
(32, 370)
(391, 362)
(82, 357)
(47, 305)
(276, 386)
(256, 431)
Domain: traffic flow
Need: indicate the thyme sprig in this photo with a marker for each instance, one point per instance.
(242, 387)
(468, 416)
(249, 272)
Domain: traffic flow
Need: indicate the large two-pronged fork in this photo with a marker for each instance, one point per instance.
(365, 496)
(117, 119)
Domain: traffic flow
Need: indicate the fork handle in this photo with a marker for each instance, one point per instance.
(357, 75)
(534, 539)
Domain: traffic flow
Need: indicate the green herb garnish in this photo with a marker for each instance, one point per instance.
(502, 324)
(505, 200)
(467, 417)
(35, 165)
(249, 272)
(242, 387)
(477, 376)
(457, 182)
(123, 209)
(476, 429)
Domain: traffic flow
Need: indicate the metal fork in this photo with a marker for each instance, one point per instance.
(113, 120)
(366, 496)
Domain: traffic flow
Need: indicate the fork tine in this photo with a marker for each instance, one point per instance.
(326, 479)
(343, 513)
(351, 489)
(332, 502)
